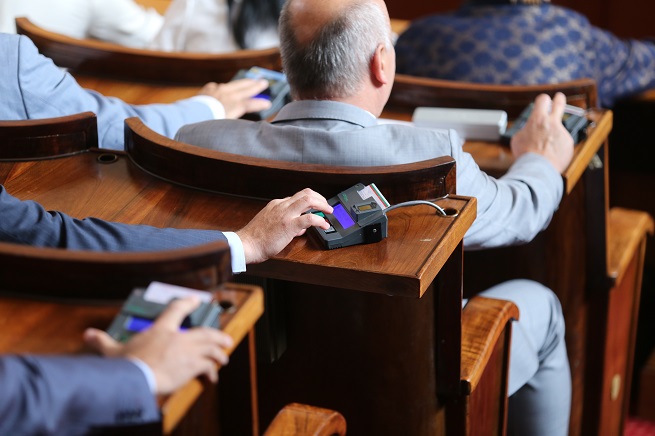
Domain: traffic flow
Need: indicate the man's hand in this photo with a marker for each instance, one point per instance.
(174, 356)
(279, 222)
(237, 96)
(545, 134)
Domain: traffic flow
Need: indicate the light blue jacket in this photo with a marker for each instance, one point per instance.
(32, 87)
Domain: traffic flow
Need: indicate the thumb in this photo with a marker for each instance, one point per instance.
(101, 342)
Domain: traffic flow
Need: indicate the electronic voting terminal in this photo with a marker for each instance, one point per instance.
(358, 218)
(144, 305)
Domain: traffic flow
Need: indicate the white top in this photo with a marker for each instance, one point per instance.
(203, 26)
(119, 21)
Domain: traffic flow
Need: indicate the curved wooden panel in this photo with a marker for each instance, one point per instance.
(301, 419)
(266, 178)
(51, 272)
(100, 58)
(410, 92)
(48, 137)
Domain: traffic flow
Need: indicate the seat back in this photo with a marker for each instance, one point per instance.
(98, 58)
(410, 92)
(52, 272)
(48, 137)
(296, 418)
(266, 178)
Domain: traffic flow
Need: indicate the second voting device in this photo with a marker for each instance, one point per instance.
(144, 305)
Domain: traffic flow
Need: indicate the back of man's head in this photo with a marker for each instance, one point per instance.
(327, 45)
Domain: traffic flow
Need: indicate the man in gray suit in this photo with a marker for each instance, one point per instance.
(340, 63)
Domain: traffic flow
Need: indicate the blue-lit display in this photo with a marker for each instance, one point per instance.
(343, 216)
(135, 324)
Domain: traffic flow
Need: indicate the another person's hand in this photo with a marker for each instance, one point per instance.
(174, 356)
(237, 96)
(545, 134)
(271, 230)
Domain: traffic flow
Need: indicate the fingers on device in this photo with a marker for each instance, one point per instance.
(144, 305)
(277, 92)
(574, 120)
(358, 218)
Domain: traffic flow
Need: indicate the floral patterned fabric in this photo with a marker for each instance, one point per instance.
(525, 44)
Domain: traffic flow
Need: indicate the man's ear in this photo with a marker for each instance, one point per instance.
(380, 70)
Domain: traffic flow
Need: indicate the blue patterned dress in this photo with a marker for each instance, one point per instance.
(525, 44)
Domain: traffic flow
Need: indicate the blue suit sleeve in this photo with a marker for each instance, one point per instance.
(48, 91)
(27, 222)
(71, 395)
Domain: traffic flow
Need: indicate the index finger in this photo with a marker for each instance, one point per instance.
(559, 103)
(248, 87)
(308, 199)
(176, 311)
(542, 105)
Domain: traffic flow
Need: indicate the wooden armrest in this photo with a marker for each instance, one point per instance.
(303, 420)
(483, 322)
(627, 228)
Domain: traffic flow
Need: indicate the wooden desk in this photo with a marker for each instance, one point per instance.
(570, 257)
(48, 327)
(334, 356)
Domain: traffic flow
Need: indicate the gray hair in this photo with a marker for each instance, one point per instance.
(334, 63)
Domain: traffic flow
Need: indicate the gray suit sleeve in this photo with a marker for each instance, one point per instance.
(27, 222)
(514, 208)
(71, 395)
(48, 91)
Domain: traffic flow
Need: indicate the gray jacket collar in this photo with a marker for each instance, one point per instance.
(325, 110)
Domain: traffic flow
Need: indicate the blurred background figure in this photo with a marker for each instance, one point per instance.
(119, 21)
(218, 26)
(524, 42)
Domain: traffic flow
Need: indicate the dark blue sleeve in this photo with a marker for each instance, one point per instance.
(70, 395)
(27, 222)
(624, 66)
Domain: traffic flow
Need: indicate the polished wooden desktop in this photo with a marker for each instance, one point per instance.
(55, 326)
(341, 329)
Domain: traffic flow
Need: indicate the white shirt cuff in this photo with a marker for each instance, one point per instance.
(217, 108)
(236, 250)
(147, 373)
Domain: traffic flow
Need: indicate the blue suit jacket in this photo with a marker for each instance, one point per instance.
(32, 87)
(71, 395)
(27, 222)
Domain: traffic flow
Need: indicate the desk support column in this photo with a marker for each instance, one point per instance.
(448, 312)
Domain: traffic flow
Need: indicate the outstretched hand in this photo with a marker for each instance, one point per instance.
(273, 228)
(545, 134)
(237, 96)
(174, 356)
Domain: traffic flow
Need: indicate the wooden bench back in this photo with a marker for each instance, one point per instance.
(410, 92)
(98, 58)
(266, 178)
(48, 137)
(52, 272)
